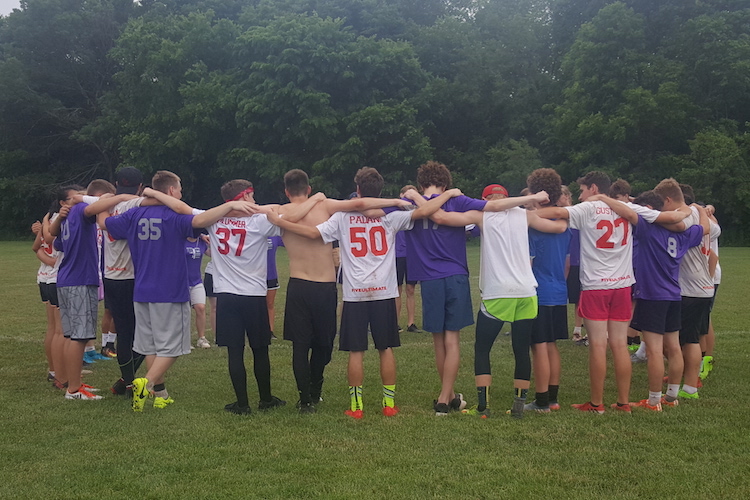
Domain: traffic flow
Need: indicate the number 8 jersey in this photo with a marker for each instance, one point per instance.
(606, 246)
(368, 255)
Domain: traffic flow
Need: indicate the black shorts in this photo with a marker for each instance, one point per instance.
(240, 316)
(401, 274)
(379, 315)
(550, 324)
(272, 284)
(574, 284)
(695, 314)
(657, 316)
(208, 284)
(310, 312)
(48, 292)
(713, 299)
(118, 297)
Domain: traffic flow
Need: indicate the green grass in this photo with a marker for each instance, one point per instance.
(53, 448)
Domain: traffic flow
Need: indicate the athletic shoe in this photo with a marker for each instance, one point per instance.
(666, 402)
(706, 366)
(203, 343)
(622, 408)
(390, 411)
(633, 347)
(88, 358)
(474, 411)
(140, 394)
(400, 330)
(89, 388)
(161, 403)
(95, 356)
(634, 358)
(50, 377)
(533, 406)
(274, 403)
(554, 405)
(684, 395)
(236, 409)
(109, 352)
(86, 372)
(413, 328)
(82, 394)
(576, 337)
(356, 414)
(305, 408)
(589, 407)
(643, 403)
(118, 388)
(457, 403)
(516, 411)
(442, 409)
(584, 341)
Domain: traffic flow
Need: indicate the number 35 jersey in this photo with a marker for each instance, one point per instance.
(606, 246)
(368, 252)
(239, 248)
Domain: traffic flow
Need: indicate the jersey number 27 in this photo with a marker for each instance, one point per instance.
(609, 228)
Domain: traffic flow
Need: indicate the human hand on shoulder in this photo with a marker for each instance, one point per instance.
(273, 217)
(596, 197)
(318, 197)
(64, 211)
(455, 192)
(244, 207)
(36, 227)
(411, 194)
(541, 197)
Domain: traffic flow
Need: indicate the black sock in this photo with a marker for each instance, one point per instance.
(553, 389)
(319, 358)
(482, 398)
(158, 387)
(542, 398)
(262, 369)
(521, 393)
(238, 374)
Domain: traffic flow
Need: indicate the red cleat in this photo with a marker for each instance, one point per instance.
(357, 414)
(390, 411)
(590, 407)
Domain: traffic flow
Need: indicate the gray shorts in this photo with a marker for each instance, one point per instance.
(162, 328)
(197, 294)
(79, 308)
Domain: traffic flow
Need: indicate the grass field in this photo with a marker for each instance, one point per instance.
(52, 448)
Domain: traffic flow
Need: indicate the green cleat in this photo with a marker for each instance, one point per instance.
(706, 366)
(140, 394)
(160, 402)
(473, 411)
(684, 395)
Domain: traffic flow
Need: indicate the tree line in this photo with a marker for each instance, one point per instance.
(220, 89)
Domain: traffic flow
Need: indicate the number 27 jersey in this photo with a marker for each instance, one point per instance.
(606, 246)
(368, 253)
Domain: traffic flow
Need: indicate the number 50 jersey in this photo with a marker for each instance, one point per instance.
(368, 252)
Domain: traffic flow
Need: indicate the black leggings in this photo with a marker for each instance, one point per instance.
(486, 333)
(308, 372)
(238, 374)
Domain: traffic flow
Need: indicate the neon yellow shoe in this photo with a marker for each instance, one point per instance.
(140, 394)
(706, 366)
(160, 402)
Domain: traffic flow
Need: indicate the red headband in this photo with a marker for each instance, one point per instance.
(243, 193)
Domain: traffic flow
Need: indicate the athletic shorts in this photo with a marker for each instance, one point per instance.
(551, 324)
(239, 317)
(511, 309)
(379, 315)
(79, 309)
(657, 316)
(574, 284)
(713, 299)
(695, 314)
(197, 294)
(310, 312)
(401, 274)
(606, 305)
(272, 284)
(48, 292)
(162, 328)
(208, 284)
(446, 304)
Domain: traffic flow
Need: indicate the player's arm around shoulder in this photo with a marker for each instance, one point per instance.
(617, 207)
(428, 208)
(293, 227)
(546, 225)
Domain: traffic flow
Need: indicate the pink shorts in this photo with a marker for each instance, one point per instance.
(604, 305)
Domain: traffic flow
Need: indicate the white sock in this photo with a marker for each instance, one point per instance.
(641, 352)
(577, 330)
(654, 398)
(89, 348)
(52, 373)
(672, 390)
(689, 389)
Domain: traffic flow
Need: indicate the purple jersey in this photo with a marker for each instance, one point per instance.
(434, 251)
(400, 244)
(194, 251)
(274, 242)
(77, 241)
(575, 247)
(156, 237)
(660, 252)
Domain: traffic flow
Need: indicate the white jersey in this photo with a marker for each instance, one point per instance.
(606, 246)
(715, 249)
(118, 264)
(48, 274)
(505, 264)
(239, 248)
(649, 215)
(695, 280)
(368, 252)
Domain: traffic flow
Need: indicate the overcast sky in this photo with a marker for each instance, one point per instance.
(7, 5)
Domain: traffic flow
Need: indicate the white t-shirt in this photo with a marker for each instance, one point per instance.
(239, 248)
(48, 274)
(368, 252)
(606, 246)
(118, 264)
(648, 214)
(715, 248)
(695, 281)
(505, 265)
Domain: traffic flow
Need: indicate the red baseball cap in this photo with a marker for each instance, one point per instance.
(494, 189)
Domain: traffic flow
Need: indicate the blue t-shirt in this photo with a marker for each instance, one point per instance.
(77, 241)
(575, 247)
(549, 252)
(156, 237)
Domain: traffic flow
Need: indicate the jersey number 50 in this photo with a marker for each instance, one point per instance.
(375, 240)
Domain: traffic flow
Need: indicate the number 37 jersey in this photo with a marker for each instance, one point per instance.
(368, 252)
(606, 246)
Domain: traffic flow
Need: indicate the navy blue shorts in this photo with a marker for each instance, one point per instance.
(446, 304)
(657, 316)
(695, 315)
(550, 324)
